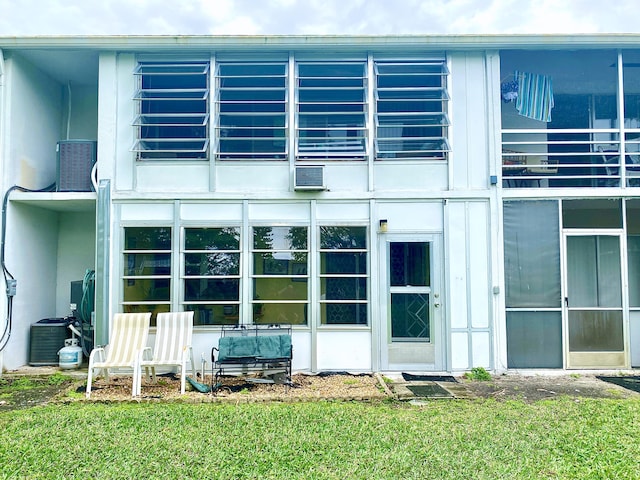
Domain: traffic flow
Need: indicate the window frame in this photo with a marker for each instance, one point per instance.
(272, 101)
(323, 302)
(256, 252)
(162, 134)
(350, 142)
(398, 82)
(233, 316)
(128, 280)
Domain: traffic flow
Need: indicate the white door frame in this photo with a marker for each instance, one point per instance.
(581, 360)
(437, 341)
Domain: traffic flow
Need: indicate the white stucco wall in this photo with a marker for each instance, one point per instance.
(31, 258)
(34, 113)
(75, 254)
(45, 248)
(80, 115)
(32, 116)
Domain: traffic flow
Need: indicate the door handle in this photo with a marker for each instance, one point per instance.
(566, 302)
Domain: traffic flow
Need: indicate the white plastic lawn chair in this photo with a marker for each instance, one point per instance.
(128, 335)
(172, 347)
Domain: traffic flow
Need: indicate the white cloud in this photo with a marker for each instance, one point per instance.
(306, 17)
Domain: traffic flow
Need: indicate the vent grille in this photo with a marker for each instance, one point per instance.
(47, 338)
(310, 177)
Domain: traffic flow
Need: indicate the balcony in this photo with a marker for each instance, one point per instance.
(570, 119)
(570, 158)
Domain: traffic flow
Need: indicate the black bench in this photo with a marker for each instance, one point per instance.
(244, 349)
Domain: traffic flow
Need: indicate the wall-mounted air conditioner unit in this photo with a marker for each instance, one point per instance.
(75, 161)
(310, 177)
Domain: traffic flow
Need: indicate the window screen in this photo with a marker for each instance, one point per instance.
(532, 254)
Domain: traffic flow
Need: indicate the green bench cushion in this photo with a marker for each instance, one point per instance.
(258, 347)
(274, 346)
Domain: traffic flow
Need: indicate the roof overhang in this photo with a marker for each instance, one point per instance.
(243, 42)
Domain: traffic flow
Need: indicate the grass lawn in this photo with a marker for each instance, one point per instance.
(458, 439)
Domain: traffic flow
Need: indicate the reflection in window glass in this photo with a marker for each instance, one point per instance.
(411, 106)
(173, 110)
(252, 111)
(280, 275)
(146, 280)
(212, 274)
(409, 264)
(343, 275)
(331, 110)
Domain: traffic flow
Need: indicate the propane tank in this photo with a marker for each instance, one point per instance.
(70, 356)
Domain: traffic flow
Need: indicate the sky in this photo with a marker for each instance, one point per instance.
(315, 17)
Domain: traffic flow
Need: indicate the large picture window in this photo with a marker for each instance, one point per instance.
(343, 275)
(251, 111)
(147, 270)
(411, 110)
(212, 274)
(280, 275)
(173, 111)
(332, 111)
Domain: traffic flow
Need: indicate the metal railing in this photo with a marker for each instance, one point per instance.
(570, 158)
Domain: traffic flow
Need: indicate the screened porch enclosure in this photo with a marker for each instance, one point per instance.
(570, 118)
(566, 266)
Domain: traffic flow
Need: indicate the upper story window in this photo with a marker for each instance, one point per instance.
(173, 111)
(251, 106)
(411, 110)
(331, 111)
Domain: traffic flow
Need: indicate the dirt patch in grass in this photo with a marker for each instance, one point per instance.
(532, 388)
(25, 392)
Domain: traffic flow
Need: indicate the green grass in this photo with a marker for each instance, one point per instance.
(20, 383)
(478, 373)
(28, 383)
(562, 438)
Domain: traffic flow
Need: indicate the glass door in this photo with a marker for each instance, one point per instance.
(409, 291)
(593, 310)
(412, 305)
